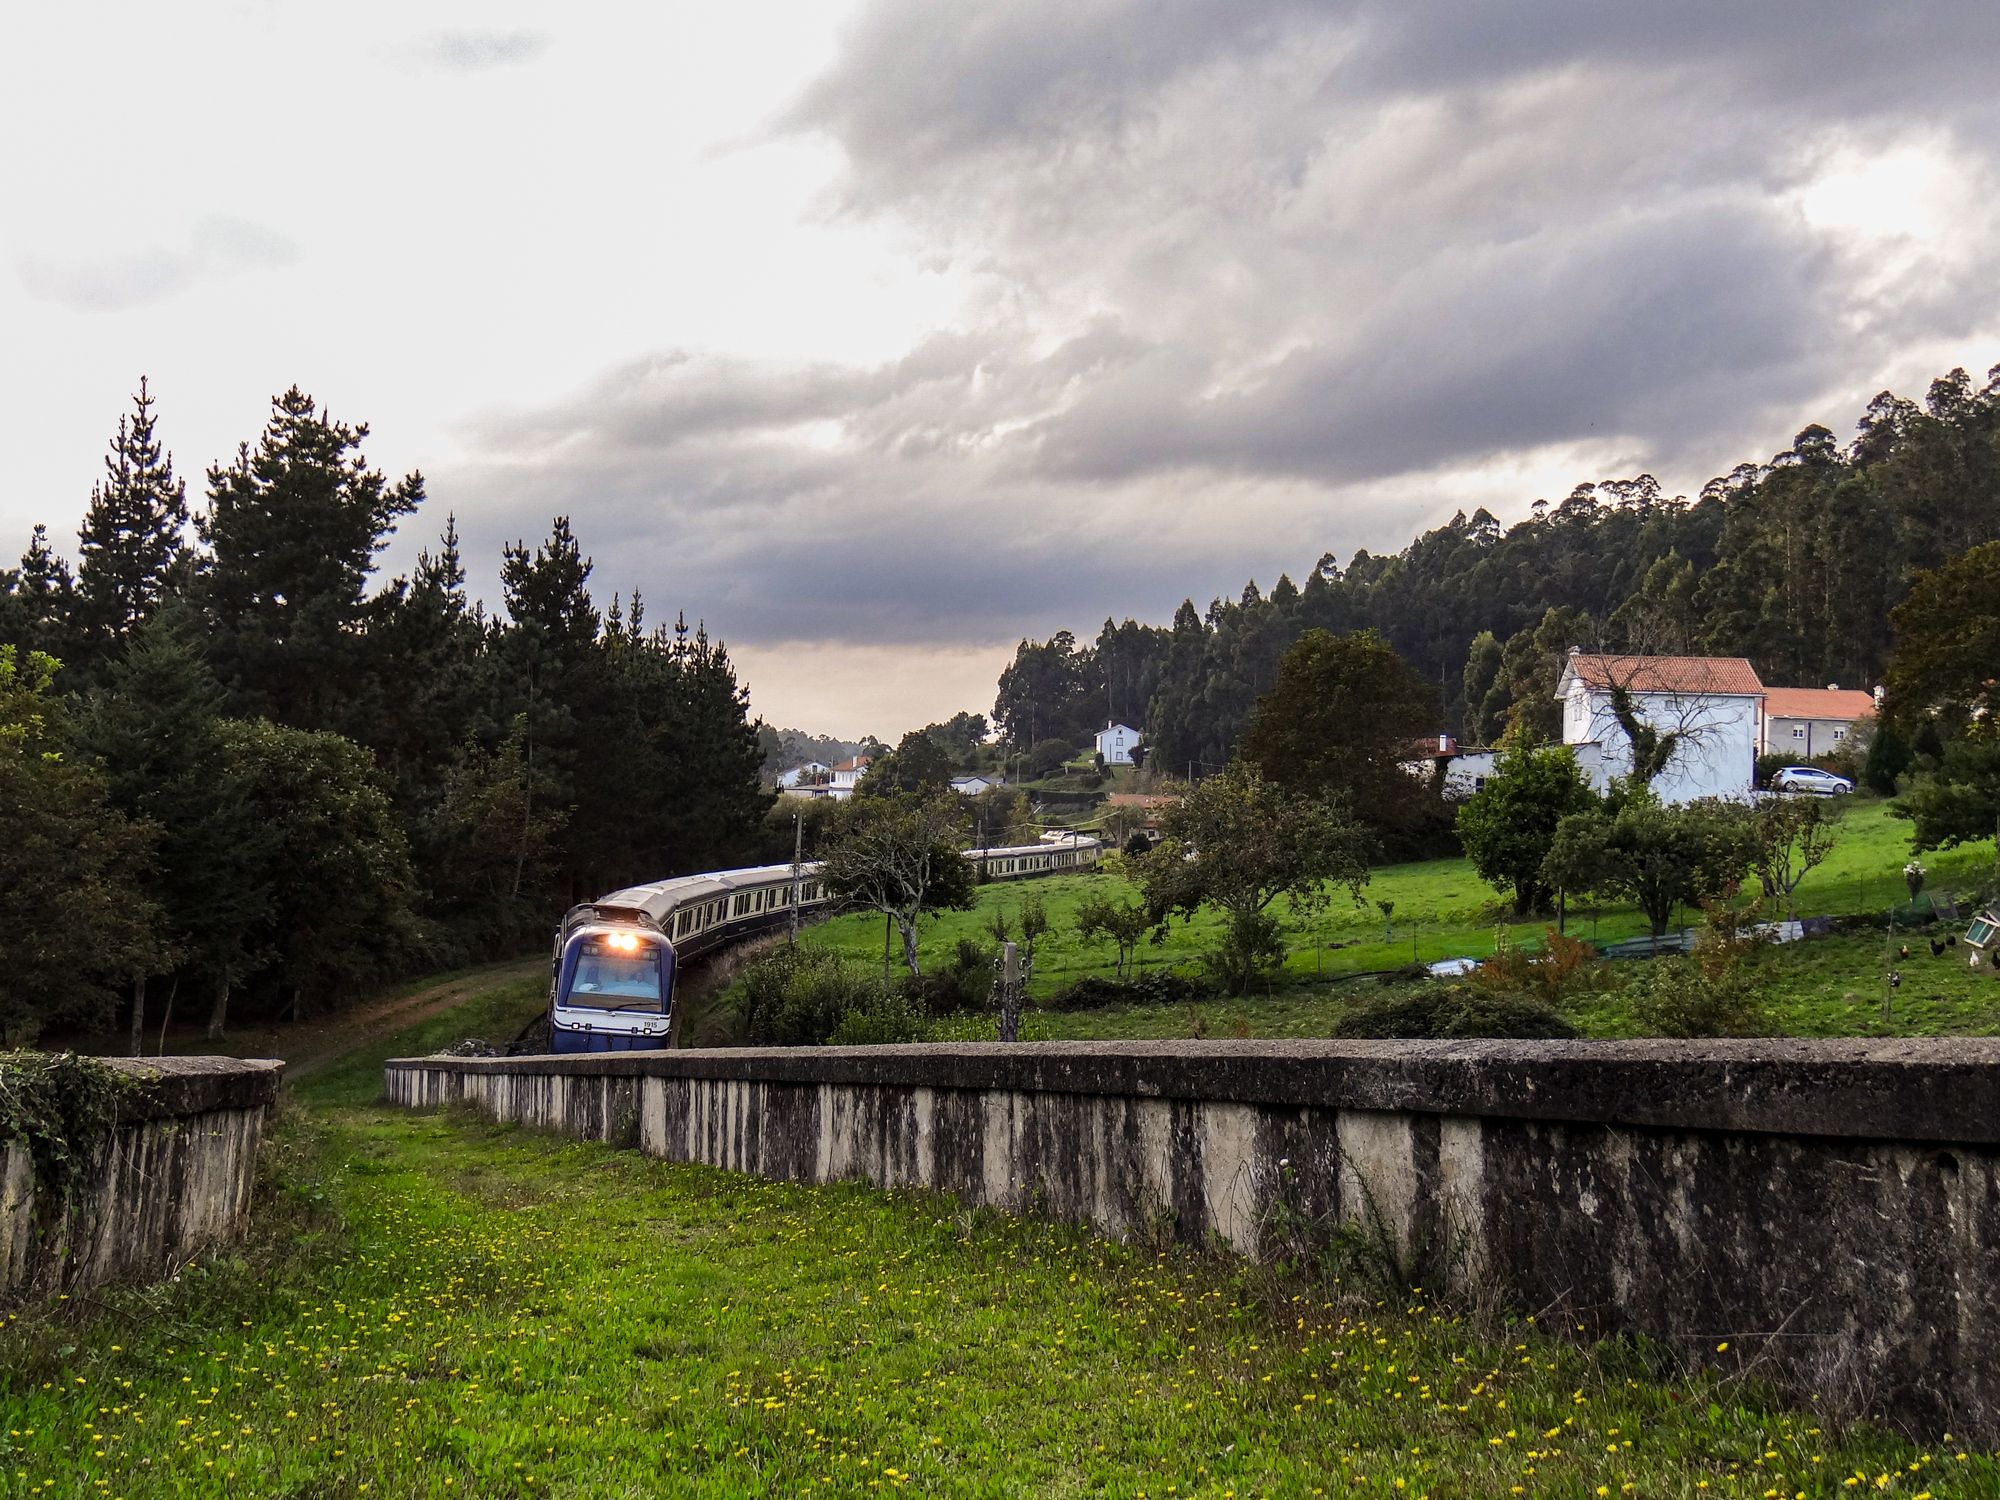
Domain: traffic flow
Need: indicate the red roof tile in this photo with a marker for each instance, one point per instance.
(1844, 705)
(1730, 676)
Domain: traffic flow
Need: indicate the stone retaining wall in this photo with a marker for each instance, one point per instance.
(1830, 1210)
(172, 1179)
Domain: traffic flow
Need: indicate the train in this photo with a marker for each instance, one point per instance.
(611, 981)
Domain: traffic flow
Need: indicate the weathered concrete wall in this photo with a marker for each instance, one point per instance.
(1831, 1210)
(173, 1178)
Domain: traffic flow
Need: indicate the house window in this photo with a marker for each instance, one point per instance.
(1798, 731)
(1839, 733)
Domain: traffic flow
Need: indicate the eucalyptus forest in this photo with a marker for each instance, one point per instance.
(1795, 563)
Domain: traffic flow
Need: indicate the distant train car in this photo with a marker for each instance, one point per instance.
(611, 982)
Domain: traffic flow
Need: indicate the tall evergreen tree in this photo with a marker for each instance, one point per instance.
(38, 601)
(133, 535)
(293, 528)
(154, 726)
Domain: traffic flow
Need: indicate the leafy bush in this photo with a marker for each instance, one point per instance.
(1094, 992)
(1710, 993)
(800, 997)
(1451, 1011)
(888, 1018)
(1675, 997)
(1047, 757)
(1564, 967)
(966, 983)
(1252, 948)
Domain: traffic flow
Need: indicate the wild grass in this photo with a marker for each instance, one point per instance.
(435, 1307)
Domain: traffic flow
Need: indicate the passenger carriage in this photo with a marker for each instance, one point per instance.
(611, 985)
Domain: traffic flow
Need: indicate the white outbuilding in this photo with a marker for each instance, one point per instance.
(1115, 742)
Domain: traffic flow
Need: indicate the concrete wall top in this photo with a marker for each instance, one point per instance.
(1913, 1089)
(196, 1085)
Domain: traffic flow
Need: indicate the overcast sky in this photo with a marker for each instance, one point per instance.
(879, 335)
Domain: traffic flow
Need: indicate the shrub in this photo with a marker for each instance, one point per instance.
(1675, 997)
(798, 997)
(1047, 757)
(888, 1017)
(1564, 967)
(1252, 947)
(1710, 993)
(966, 983)
(1094, 992)
(1450, 1011)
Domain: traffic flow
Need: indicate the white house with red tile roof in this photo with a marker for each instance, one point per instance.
(1804, 722)
(1714, 704)
(847, 776)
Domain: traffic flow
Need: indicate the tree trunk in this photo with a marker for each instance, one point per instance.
(909, 932)
(139, 1016)
(218, 1015)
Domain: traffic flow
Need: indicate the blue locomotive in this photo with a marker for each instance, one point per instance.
(611, 986)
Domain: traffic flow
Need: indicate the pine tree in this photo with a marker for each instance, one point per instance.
(294, 528)
(38, 601)
(132, 536)
(427, 639)
(155, 727)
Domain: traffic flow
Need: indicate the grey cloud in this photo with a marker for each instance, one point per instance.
(1256, 271)
(217, 247)
(478, 51)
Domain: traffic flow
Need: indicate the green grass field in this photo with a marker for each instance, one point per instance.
(433, 1307)
(429, 1306)
(1829, 987)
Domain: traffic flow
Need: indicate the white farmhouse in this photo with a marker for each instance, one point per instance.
(806, 775)
(1115, 742)
(1712, 704)
(847, 776)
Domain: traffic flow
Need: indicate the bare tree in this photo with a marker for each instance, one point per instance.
(902, 857)
(1793, 836)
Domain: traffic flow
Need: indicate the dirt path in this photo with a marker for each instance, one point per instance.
(308, 1048)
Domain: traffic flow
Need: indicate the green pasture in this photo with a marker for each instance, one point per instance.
(1829, 987)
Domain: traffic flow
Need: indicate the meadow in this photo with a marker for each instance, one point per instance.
(433, 1306)
(1441, 909)
(436, 1307)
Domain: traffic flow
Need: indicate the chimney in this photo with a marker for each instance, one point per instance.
(1444, 744)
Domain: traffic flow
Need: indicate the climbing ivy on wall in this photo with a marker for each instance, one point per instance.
(61, 1107)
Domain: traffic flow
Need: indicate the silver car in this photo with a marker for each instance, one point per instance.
(1811, 779)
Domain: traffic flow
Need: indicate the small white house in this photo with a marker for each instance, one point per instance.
(1467, 772)
(847, 776)
(1713, 704)
(812, 771)
(1115, 742)
(972, 786)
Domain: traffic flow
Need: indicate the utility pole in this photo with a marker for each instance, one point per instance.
(798, 847)
(1010, 993)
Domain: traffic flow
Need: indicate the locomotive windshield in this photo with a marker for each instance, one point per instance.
(613, 976)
